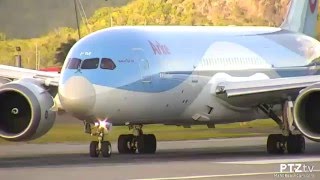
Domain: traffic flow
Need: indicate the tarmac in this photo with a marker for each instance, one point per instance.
(237, 158)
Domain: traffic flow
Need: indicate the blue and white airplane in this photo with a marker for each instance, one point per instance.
(176, 75)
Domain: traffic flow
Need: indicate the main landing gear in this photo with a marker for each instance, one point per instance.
(137, 142)
(99, 147)
(278, 143)
(287, 141)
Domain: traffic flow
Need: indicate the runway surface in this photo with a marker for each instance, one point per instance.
(240, 158)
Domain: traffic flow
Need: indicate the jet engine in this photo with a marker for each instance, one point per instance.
(307, 112)
(25, 110)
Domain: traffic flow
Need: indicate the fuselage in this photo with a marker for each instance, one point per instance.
(168, 75)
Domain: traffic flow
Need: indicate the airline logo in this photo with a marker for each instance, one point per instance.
(313, 5)
(159, 49)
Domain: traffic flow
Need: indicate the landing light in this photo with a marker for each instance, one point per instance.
(103, 124)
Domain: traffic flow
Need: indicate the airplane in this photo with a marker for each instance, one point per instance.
(176, 75)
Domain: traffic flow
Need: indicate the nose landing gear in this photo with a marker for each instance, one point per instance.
(99, 147)
(131, 143)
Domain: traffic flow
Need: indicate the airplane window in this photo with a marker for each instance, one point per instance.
(92, 63)
(74, 63)
(107, 63)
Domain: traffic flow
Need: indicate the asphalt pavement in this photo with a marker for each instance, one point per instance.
(238, 158)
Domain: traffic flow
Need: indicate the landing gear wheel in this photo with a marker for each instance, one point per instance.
(126, 144)
(296, 144)
(122, 144)
(132, 144)
(147, 144)
(94, 149)
(106, 149)
(141, 144)
(275, 144)
(150, 144)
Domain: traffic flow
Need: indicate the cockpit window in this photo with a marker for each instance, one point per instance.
(74, 63)
(107, 63)
(92, 63)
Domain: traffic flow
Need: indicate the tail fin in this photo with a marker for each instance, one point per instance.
(302, 17)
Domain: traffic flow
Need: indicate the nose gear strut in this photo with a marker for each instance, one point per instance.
(98, 147)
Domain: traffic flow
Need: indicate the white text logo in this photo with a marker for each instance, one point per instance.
(296, 168)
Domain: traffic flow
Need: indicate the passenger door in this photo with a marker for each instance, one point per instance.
(144, 66)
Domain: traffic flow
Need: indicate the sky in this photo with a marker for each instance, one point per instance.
(33, 18)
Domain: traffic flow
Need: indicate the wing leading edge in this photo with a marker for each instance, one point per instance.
(13, 73)
(270, 91)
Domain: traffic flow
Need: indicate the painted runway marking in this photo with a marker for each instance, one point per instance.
(220, 175)
(274, 161)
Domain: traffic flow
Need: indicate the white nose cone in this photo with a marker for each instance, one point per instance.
(77, 95)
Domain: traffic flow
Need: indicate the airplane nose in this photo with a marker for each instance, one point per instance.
(77, 95)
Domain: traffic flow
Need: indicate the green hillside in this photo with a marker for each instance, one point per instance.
(150, 12)
(33, 18)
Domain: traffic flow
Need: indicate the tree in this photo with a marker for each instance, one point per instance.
(63, 50)
(3, 36)
(55, 46)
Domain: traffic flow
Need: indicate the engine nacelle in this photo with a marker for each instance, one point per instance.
(307, 112)
(25, 110)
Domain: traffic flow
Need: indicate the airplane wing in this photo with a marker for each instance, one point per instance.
(14, 73)
(269, 91)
